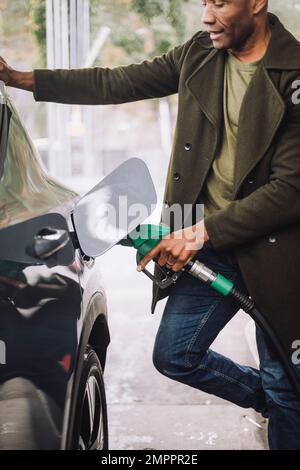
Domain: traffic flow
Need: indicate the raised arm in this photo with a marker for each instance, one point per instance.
(149, 79)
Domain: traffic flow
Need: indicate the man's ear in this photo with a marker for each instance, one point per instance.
(259, 6)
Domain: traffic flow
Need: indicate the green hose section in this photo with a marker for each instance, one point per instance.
(222, 285)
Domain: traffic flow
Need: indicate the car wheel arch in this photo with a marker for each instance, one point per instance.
(94, 333)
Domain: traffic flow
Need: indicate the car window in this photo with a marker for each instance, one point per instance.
(26, 190)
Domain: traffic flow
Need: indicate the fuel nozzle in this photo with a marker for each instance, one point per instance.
(144, 238)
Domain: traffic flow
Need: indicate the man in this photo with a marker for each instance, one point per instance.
(236, 150)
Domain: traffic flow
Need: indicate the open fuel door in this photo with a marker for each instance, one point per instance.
(114, 207)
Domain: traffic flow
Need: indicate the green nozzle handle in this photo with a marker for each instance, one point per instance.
(145, 237)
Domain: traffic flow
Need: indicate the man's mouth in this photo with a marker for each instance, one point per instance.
(214, 35)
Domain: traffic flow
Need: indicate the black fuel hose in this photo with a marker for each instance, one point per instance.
(226, 288)
(248, 306)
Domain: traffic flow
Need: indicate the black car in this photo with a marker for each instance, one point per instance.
(53, 315)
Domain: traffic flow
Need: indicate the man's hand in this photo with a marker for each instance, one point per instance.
(178, 249)
(5, 71)
(10, 77)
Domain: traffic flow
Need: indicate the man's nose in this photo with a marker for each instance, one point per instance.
(208, 16)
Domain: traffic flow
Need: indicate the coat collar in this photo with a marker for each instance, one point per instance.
(284, 50)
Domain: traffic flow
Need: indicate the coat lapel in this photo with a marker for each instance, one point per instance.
(263, 108)
(260, 117)
(261, 112)
(206, 85)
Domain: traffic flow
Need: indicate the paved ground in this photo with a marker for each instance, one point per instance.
(147, 410)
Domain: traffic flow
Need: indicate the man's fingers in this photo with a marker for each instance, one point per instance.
(154, 252)
(3, 64)
(4, 76)
(182, 261)
(163, 259)
(176, 252)
(169, 253)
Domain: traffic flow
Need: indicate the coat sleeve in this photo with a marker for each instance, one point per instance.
(91, 86)
(273, 206)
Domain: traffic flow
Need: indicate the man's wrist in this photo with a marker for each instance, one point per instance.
(198, 234)
(22, 80)
(201, 231)
(206, 236)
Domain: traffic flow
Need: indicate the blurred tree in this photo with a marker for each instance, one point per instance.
(170, 13)
(37, 17)
(132, 23)
(140, 28)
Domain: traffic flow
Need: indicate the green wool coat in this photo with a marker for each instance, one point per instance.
(262, 224)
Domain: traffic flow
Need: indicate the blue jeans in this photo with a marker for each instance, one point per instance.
(194, 316)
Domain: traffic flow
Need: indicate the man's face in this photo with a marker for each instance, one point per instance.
(229, 22)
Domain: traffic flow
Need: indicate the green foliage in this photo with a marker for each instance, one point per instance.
(131, 43)
(140, 28)
(165, 18)
(149, 9)
(37, 9)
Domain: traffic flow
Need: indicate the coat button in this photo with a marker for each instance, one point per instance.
(272, 239)
(251, 180)
(188, 147)
(177, 177)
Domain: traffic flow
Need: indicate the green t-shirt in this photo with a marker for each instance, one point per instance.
(218, 188)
